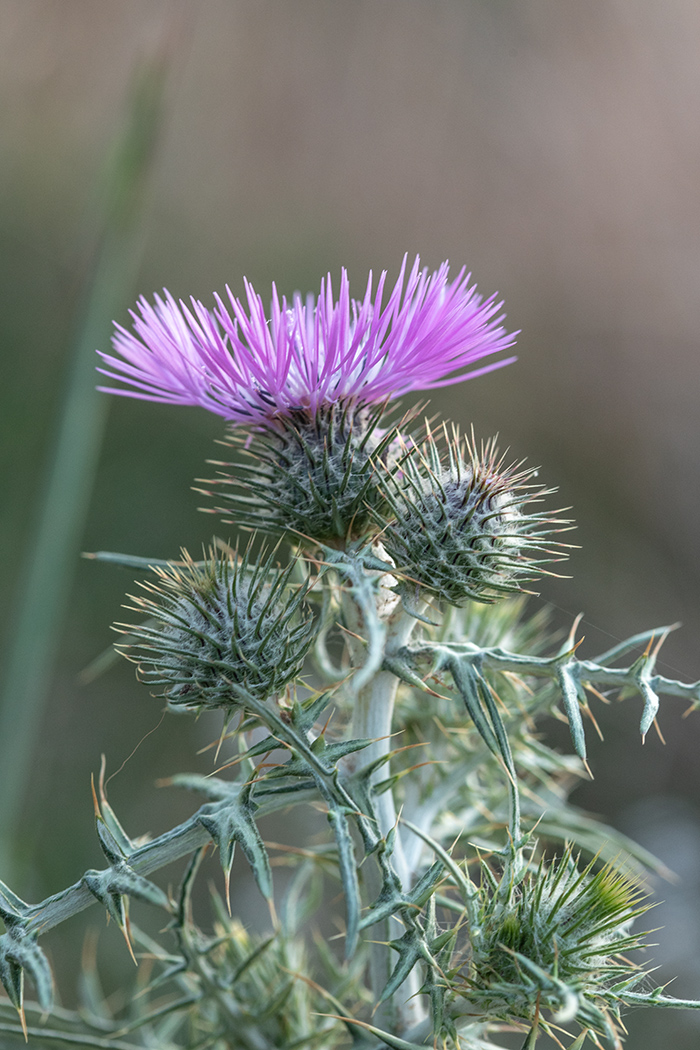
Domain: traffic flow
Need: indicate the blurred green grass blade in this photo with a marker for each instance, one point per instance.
(52, 554)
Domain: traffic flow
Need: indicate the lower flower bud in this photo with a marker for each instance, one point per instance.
(226, 622)
(558, 942)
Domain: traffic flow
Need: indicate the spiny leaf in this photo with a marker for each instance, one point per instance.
(213, 788)
(13, 910)
(121, 880)
(393, 1041)
(330, 755)
(479, 701)
(412, 949)
(112, 888)
(19, 953)
(231, 822)
(531, 1038)
(579, 1041)
(11, 973)
(468, 890)
(348, 873)
(184, 897)
(306, 713)
(134, 561)
(391, 900)
(573, 695)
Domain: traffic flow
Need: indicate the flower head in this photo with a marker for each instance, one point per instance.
(558, 942)
(248, 368)
(230, 621)
(458, 523)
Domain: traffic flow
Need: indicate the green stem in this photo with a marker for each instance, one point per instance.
(173, 844)
(373, 714)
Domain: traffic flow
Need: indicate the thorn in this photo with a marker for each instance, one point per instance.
(518, 681)
(587, 711)
(101, 780)
(432, 692)
(222, 737)
(23, 1022)
(663, 638)
(215, 743)
(571, 640)
(227, 884)
(588, 769)
(496, 697)
(591, 689)
(346, 630)
(98, 815)
(658, 730)
(126, 930)
(326, 724)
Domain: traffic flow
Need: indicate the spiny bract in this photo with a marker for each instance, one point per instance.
(313, 475)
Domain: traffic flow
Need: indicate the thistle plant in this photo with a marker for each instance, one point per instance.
(379, 663)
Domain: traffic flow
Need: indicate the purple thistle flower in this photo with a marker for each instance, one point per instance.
(251, 369)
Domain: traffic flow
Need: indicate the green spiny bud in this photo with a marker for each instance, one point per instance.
(556, 943)
(458, 525)
(227, 621)
(312, 474)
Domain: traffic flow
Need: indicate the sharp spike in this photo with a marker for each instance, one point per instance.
(126, 930)
(95, 803)
(23, 1021)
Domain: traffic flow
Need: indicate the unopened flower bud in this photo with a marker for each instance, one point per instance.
(459, 527)
(228, 621)
(557, 943)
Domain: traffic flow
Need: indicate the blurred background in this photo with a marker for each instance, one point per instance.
(553, 148)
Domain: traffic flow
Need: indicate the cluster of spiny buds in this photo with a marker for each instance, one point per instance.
(321, 460)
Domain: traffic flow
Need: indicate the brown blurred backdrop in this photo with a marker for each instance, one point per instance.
(552, 146)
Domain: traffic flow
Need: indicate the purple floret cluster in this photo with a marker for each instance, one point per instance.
(249, 368)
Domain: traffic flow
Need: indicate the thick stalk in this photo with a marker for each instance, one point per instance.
(172, 845)
(373, 713)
